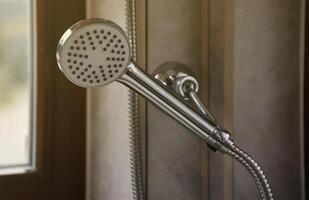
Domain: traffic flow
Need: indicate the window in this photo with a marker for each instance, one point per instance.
(17, 91)
(42, 115)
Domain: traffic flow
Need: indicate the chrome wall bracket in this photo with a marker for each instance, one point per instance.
(178, 78)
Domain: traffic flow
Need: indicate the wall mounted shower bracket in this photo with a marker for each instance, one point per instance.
(179, 79)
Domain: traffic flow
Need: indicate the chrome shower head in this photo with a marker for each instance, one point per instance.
(93, 52)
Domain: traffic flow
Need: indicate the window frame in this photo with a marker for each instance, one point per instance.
(60, 122)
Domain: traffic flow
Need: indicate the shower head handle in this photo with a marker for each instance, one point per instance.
(158, 94)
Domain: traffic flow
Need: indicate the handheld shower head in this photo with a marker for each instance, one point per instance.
(93, 52)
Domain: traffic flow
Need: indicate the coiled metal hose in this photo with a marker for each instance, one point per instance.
(134, 121)
(230, 148)
(253, 168)
(250, 170)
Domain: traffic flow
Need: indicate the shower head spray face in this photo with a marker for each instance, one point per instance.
(93, 52)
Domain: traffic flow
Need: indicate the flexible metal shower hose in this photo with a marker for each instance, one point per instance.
(254, 169)
(238, 154)
(134, 121)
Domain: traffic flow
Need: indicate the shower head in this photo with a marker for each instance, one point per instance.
(93, 52)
